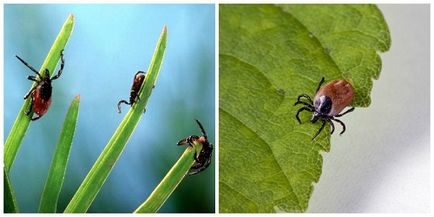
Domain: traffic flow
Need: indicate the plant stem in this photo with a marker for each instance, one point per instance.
(169, 183)
(99, 172)
(10, 203)
(56, 174)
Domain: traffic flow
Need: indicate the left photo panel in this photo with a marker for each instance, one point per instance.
(109, 108)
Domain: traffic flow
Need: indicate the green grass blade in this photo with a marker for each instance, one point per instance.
(22, 121)
(169, 183)
(10, 202)
(99, 172)
(56, 175)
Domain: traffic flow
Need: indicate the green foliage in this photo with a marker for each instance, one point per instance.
(22, 121)
(269, 54)
(99, 172)
(10, 201)
(169, 183)
(56, 175)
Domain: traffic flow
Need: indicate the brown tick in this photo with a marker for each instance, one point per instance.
(203, 159)
(135, 88)
(41, 92)
(328, 102)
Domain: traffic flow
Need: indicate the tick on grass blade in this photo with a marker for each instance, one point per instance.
(135, 88)
(328, 102)
(203, 159)
(41, 92)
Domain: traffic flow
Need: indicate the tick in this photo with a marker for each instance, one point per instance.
(328, 102)
(135, 88)
(203, 159)
(41, 92)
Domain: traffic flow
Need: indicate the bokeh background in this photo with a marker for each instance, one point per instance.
(108, 45)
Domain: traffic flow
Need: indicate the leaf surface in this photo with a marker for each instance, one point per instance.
(10, 201)
(22, 121)
(56, 174)
(94, 180)
(270, 54)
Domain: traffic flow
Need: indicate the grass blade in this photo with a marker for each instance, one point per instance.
(99, 172)
(10, 202)
(56, 175)
(22, 121)
(169, 183)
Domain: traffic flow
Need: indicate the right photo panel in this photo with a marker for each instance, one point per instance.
(324, 108)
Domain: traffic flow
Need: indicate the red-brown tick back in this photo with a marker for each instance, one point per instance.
(328, 102)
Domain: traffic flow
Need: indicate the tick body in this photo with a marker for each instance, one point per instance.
(203, 159)
(41, 92)
(135, 88)
(327, 104)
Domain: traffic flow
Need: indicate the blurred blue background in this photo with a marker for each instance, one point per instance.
(108, 45)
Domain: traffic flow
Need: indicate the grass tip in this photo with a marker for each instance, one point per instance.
(77, 97)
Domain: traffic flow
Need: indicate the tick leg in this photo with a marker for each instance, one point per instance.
(304, 103)
(319, 85)
(343, 125)
(201, 129)
(119, 104)
(300, 110)
(183, 141)
(305, 96)
(348, 111)
(29, 66)
(30, 91)
(32, 78)
(62, 64)
(332, 126)
(320, 129)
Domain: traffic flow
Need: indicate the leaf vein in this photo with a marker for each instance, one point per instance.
(288, 179)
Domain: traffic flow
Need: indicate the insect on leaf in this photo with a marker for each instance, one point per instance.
(22, 121)
(269, 54)
(103, 166)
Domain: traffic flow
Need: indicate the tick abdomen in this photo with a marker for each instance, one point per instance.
(41, 99)
(340, 92)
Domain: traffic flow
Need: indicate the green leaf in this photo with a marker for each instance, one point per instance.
(56, 175)
(169, 183)
(269, 54)
(99, 172)
(22, 121)
(10, 201)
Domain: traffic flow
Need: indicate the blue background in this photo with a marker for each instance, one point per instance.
(108, 45)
